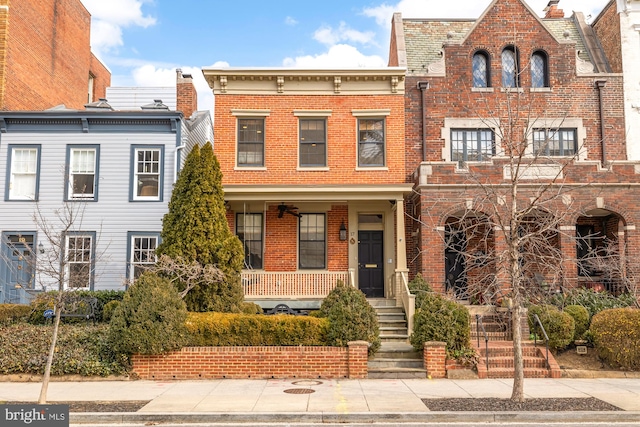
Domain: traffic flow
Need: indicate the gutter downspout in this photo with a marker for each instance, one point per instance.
(600, 84)
(423, 86)
(175, 162)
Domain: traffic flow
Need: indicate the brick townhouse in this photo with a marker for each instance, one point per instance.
(45, 56)
(475, 86)
(313, 165)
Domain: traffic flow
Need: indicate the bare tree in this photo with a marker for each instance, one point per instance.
(504, 245)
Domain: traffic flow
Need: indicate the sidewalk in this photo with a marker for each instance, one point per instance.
(330, 400)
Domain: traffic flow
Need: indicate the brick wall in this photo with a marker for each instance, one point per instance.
(255, 362)
(607, 28)
(101, 78)
(435, 355)
(281, 139)
(48, 57)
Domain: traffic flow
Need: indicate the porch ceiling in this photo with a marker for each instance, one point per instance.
(278, 193)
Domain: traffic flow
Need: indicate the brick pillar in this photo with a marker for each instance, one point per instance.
(357, 359)
(568, 247)
(186, 95)
(435, 355)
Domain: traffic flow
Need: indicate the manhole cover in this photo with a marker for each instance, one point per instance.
(299, 391)
(307, 382)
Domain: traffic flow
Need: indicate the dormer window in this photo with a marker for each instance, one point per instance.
(510, 67)
(480, 66)
(539, 70)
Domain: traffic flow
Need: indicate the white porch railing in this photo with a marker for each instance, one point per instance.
(267, 284)
(408, 299)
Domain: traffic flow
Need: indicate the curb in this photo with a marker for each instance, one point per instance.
(610, 417)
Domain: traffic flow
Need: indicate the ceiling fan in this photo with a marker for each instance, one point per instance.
(292, 210)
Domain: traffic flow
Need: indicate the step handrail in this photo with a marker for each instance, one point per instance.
(546, 338)
(479, 325)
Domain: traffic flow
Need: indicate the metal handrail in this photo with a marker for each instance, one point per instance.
(479, 325)
(546, 338)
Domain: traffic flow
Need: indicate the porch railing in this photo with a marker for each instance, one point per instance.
(269, 284)
(408, 300)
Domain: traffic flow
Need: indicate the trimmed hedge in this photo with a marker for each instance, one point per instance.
(233, 329)
(81, 349)
(559, 326)
(13, 312)
(440, 319)
(616, 334)
(420, 288)
(351, 318)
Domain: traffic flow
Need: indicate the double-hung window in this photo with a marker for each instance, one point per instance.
(142, 252)
(147, 172)
(312, 242)
(82, 166)
(554, 142)
(24, 172)
(79, 259)
(313, 143)
(251, 142)
(472, 145)
(371, 142)
(249, 231)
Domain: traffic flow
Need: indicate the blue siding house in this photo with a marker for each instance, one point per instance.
(113, 170)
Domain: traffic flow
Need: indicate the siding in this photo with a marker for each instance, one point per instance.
(112, 216)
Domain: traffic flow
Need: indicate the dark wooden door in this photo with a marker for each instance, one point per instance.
(371, 263)
(454, 264)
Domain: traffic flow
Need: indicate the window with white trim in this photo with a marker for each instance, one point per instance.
(371, 142)
(147, 173)
(251, 142)
(312, 241)
(79, 256)
(313, 142)
(554, 142)
(23, 175)
(82, 173)
(142, 253)
(249, 231)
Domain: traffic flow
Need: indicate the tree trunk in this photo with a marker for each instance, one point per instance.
(517, 394)
(47, 370)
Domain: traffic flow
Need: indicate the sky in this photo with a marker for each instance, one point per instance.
(142, 42)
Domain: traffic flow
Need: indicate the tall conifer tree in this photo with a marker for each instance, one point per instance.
(196, 229)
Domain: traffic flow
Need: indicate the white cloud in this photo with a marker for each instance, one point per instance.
(330, 36)
(338, 56)
(109, 17)
(291, 21)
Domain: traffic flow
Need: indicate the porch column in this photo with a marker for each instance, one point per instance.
(569, 262)
(401, 244)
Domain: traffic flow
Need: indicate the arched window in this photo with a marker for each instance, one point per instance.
(539, 70)
(480, 66)
(510, 67)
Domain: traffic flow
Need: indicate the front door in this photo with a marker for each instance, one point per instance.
(371, 263)
(18, 270)
(454, 264)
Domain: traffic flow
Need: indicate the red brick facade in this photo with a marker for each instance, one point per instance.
(45, 55)
(590, 101)
(192, 363)
(607, 27)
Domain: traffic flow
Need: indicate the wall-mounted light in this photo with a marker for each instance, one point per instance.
(343, 231)
(41, 247)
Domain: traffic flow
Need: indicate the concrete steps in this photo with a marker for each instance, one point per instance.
(396, 357)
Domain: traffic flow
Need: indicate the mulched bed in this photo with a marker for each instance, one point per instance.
(507, 405)
(97, 406)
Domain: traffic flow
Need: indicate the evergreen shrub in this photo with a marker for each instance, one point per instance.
(581, 318)
(10, 313)
(351, 317)
(559, 326)
(616, 335)
(150, 319)
(233, 329)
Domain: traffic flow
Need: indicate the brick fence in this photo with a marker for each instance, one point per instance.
(255, 362)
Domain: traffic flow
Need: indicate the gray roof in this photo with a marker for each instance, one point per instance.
(424, 38)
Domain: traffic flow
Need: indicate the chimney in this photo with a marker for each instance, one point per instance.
(553, 11)
(186, 96)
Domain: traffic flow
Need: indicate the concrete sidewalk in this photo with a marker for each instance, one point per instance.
(323, 400)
